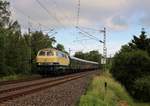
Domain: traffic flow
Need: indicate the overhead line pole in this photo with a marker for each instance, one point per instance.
(78, 14)
(70, 52)
(104, 60)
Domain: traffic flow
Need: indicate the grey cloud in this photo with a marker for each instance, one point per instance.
(145, 20)
(92, 11)
(117, 22)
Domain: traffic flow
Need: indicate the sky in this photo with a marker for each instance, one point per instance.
(121, 18)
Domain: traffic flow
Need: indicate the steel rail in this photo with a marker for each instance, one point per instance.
(29, 89)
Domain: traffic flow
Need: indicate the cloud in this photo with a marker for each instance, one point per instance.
(115, 15)
(117, 23)
(92, 12)
(145, 20)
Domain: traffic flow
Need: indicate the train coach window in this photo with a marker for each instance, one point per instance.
(42, 53)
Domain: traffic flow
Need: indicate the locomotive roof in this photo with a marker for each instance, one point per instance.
(49, 49)
(86, 61)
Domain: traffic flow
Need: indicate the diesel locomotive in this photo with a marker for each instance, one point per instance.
(50, 61)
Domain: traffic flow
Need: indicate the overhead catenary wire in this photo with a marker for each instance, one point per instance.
(49, 12)
(92, 29)
(67, 17)
(89, 35)
(81, 40)
(82, 31)
(31, 21)
(21, 12)
(62, 8)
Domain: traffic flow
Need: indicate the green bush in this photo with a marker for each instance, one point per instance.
(142, 88)
(129, 68)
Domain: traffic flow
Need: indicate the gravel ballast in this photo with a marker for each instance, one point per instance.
(66, 94)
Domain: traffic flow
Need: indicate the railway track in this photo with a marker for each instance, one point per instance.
(2, 83)
(32, 87)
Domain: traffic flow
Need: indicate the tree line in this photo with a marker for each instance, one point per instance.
(131, 66)
(17, 49)
(91, 56)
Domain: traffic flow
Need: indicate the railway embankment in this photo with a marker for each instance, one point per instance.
(105, 91)
(62, 94)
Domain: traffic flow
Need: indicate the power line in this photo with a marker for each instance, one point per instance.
(30, 20)
(62, 8)
(81, 40)
(89, 35)
(90, 28)
(48, 12)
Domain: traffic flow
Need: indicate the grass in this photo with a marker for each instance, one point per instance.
(142, 104)
(113, 95)
(16, 77)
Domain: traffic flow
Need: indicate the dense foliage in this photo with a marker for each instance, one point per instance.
(4, 13)
(17, 50)
(91, 56)
(60, 47)
(131, 66)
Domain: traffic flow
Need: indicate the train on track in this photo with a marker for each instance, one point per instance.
(53, 61)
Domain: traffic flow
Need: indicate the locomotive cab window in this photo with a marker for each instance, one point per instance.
(59, 54)
(42, 53)
(63, 55)
(50, 53)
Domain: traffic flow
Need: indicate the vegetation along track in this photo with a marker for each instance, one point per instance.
(30, 87)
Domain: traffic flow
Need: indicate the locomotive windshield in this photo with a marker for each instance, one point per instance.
(49, 53)
(45, 53)
(42, 53)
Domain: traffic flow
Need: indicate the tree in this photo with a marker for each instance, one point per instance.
(17, 50)
(14, 26)
(60, 47)
(4, 13)
(141, 42)
(95, 56)
(39, 41)
(80, 55)
(2, 51)
(131, 67)
(36, 41)
(91, 56)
